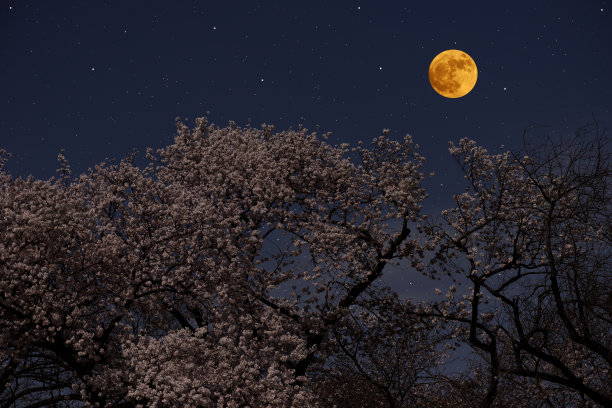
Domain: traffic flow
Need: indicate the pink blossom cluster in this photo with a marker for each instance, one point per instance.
(162, 286)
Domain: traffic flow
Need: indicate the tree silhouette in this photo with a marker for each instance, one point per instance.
(532, 235)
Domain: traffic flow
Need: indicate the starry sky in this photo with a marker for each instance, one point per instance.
(99, 78)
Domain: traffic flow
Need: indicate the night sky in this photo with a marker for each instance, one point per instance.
(101, 78)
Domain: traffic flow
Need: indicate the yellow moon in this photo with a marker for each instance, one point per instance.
(453, 73)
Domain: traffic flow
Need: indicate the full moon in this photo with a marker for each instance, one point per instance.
(453, 73)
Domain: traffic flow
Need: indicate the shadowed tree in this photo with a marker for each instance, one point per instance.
(386, 356)
(532, 235)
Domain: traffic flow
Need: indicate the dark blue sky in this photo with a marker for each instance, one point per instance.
(99, 78)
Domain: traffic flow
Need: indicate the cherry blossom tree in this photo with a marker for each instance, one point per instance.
(241, 267)
(217, 275)
(532, 236)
